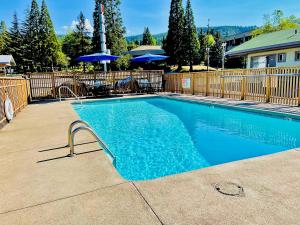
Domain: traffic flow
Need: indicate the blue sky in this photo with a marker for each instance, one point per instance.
(154, 13)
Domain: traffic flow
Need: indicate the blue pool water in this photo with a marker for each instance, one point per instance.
(156, 137)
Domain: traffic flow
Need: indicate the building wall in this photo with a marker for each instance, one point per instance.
(290, 57)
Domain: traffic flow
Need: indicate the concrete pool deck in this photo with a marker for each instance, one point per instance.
(40, 185)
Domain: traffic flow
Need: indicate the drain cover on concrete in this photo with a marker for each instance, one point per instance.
(231, 189)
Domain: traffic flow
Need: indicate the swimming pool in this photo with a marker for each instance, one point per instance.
(156, 137)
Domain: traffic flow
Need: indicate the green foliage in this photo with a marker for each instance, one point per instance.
(50, 49)
(173, 45)
(148, 39)
(216, 53)
(123, 63)
(15, 45)
(70, 47)
(209, 40)
(82, 36)
(190, 39)
(132, 45)
(115, 31)
(77, 42)
(4, 38)
(31, 41)
(203, 45)
(96, 44)
(277, 22)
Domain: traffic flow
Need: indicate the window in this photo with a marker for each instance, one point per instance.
(281, 57)
(297, 56)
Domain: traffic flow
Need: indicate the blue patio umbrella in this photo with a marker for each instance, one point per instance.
(149, 58)
(97, 57)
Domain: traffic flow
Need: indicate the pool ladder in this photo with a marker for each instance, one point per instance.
(68, 89)
(86, 127)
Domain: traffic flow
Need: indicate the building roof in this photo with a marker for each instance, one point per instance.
(7, 60)
(147, 49)
(239, 35)
(267, 42)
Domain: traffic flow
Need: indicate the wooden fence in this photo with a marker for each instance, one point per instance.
(46, 85)
(17, 89)
(274, 85)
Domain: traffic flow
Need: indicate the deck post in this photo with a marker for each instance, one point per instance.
(193, 84)
(75, 84)
(222, 86)
(53, 85)
(268, 89)
(207, 85)
(298, 91)
(243, 88)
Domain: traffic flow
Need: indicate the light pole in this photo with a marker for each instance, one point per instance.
(207, 51)
(223, 56)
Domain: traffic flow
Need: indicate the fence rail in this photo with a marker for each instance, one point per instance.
(46, 85)
(274, 85)
(17, 89)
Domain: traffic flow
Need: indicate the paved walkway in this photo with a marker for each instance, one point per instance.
(40, 185)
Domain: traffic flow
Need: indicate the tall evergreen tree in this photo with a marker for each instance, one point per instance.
(49, 45)
(148, 39)
(82, 37)
(115, 31)
(31, 30)
(4, 38)
(174, 46)
(96, 45)
(203, 45)
(217, 51)
(191, 42)
(15, 44)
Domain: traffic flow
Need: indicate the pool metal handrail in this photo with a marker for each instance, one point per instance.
(99, 140)
(69, 89)
(70, 130)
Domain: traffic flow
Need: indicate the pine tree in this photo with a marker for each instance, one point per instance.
(203, 45)
(96, 44)
(82, 35)
(217, 51)
(174, 43)
(115, 31)
(191, 42)
(148, 39)
(49, 45)
(15, 44)
(31, 41)
(83, 40)
(4, 39)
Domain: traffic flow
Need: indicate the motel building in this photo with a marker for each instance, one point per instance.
(276, 49)
(6, 64)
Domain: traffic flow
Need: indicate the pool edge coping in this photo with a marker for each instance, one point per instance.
(282, 115)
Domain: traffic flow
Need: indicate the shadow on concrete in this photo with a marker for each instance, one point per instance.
(63, 147)
(68, 156)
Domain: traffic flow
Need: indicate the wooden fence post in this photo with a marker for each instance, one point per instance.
(207, 85)
(268, 89)
(243, 83)
(75, 84)
(53, 85)
(222, 87)
(298, 91)
(193, 84)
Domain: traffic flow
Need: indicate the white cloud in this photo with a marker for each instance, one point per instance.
(88, 26)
